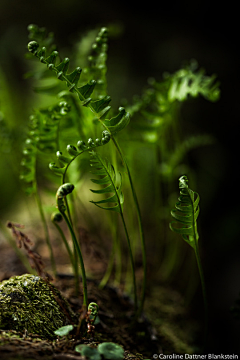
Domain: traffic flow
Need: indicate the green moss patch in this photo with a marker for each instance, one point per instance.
(28, 302)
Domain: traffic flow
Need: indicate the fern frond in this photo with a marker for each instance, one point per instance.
(112, 179)
(187, 81)
(40, 34)
(186, 213)
(97, 68)
(99, 107)
(75, 151)
(42, 136)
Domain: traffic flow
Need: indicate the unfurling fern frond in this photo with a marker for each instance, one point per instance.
(112, 179)
(76, 151)
(40, 34)
(97, 68)
(186, 213)
(43, 136)
(187, 81)
(100, 107)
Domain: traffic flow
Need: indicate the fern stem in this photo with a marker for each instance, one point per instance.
(79, 253)
(73, 262)
(39, 203)
(114, 250)
(140, 309)
(107, 274)
(204, 294)
(132, 262)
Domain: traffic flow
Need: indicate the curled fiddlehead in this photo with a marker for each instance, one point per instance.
(111, 178)
(76, 151)
(63, 190)
(40, 34)
(91, 317)
(186, 213)
(99, 107)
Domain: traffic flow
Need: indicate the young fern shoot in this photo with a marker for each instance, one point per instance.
(113, 180)
(186, 214)
(62, 192)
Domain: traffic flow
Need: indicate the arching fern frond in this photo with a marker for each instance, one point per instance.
(74, 152)
(112, 179)
(99, 107)
(186, 213)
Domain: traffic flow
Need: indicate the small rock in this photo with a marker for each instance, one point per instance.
(28, 302)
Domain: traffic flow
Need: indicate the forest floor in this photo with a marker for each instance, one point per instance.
(165, 328)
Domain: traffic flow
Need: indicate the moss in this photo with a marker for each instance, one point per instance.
(28, 302)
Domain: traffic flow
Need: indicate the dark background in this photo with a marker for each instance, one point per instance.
(157, 37)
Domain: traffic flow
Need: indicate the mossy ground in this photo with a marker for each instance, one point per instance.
(169, 331)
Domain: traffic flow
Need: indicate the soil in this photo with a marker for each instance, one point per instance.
(167, 329)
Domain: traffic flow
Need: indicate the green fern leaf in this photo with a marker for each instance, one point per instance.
(186, 213)
(112, 179)
(113, 125)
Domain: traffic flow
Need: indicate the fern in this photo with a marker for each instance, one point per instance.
(154, 110)
(41, 35)
(187, 82)
(42, 136)
(186, 214)
(99, 107)
(97, 62)
(112, 179)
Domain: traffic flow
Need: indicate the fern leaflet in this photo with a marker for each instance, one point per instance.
(112, 179)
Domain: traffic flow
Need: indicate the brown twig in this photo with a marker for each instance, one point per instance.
(34, 258)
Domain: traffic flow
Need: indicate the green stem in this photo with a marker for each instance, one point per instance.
(107, 274)
(73, 262)
(140, 227)
(45, 227)
(78, 250)
(204, 294)
(132, 263)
